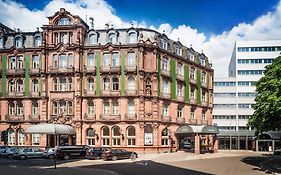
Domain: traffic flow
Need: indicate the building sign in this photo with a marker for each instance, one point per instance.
(148, 138)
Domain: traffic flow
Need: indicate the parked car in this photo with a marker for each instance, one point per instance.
(67, 152)
(277, 152)
(115, 154)
(49, 153)
(9, 152)
(24, 153)
(2, 150)
(95, 153)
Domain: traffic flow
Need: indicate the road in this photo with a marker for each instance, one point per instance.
(173, 164)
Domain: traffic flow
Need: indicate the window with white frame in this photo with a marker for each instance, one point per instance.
(20, 85)
(192, 114)
(165, 110)
(11, 108)
(1, 42)
(20, 134)
(69, 108)
(11, 137)
(165, 86)
(55, 108)
(90, 136)
(19, 108)
(91, 60)
(204, 96)
(93, 39)
(106, 60)
(37, 41)
(69, 84)
(62, 61)
(20, 62)
(179, 89)
(192, 93)
(115, 84)
(55, 60)
(115, 59)
(35, 61)
(64, 21)
(203, 115)
(131, 107)
(35, 139)
(70, 60)
(178, 51)
(192, 74)
(63, 84)
(12, 86)
(90, 109)
(18, 41)
(164, 64)
(56, 38)
(35, 85)
(131, 136)
(105, 136)
(116, 136)
(55, 84)
(202, 61)
(132, 37)
(12, 62)
(35, 108)
(106, 108)
(163, 44)
(70, 38)
(165, 137)
(106, 84)
(190, 56)
(131, 59)
(203, 77)
(180, 113)
(63, 38)
(115, 108)
(62, 107)
(180, 69)
(91, 85)
(131, 83)
(112, 38)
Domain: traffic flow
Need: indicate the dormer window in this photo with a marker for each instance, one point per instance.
(163, 44)
(1, 43)
(37, 41)
(112, 38)
(190, 56)
(64, 21)
(178, 51)
(132, 37)
(93, 39)
(18, 41)
(202, 61)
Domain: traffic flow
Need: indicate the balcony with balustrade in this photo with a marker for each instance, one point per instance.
(15, 71)
(130, 69)
(14, 118)
(89, 117)
(61, 70)
(180, 120)
(131, 117)
(110, 117)
(34, 118)
(166, 119)
(193, 121)
(90, 69)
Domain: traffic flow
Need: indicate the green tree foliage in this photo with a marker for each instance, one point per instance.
(267, 115)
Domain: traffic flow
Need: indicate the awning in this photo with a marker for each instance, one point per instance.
(50, 128)
(197, 129)
(270, 135)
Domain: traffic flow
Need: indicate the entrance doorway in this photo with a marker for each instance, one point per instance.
(187, 143)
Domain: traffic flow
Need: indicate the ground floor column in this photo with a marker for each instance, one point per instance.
(197, 144)
(216, 144)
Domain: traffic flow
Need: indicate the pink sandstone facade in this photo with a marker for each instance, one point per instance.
(126, 88)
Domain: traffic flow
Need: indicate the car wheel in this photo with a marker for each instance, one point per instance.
(22, 157)
(96, 157)
(10, 156)
(114, 158)
(51, 156)
(66, 157)
(133, 156)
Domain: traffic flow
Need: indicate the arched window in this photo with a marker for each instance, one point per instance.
(18, 41)
(20, 134)
(12, 86)
(131, 136)
(69, 108)
(132, 37)
(63, 85)
(90, 137)
(106, 84)
(131, 107)
(165, 137)
(19, 108)
(112, 38)
(70, 84)
(93, 39)
(131, 83)
(35, 108)
(20, 85)
(12, 109)
(55, 108)
(91, 86)
(105, 136)
(115, 84)
(64, 21)
(37, 41)
(35, 85)
(11, 137)
(116, 136)
(62, 108)
(20, 62)
(12, 62)
(55, 84)
(91, 110)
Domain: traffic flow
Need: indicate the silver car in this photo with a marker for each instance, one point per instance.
(49, 153)
(9, 152)
(24, 153)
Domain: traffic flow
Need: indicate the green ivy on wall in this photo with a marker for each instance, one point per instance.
(27, 75)
(98, 59)
(4, 69)
(173, 79)
(186, 83)
(198, 85)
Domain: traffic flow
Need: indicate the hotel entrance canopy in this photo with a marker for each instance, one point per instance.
(194, 129)
(51, 129)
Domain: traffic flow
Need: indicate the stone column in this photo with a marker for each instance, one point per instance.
(197, 144)
(216, 144)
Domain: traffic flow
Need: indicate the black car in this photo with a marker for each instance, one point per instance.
(115, 154)
(67, 152)
(95, 153)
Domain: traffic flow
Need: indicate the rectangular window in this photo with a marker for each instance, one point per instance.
(115, 108)
(106, 60)
(63, 38)
(165, 64)
(12, 62)
(165, 110)
(106, 108)
(20, 62)
(62, 61)
(70, 60)
(179, 90)
(105, 141)
(115, 59)
(131, 59)
(131, 141)
(203, 77)
(115, 141)
(35, 61)
(35, 139)
(179, 113)
(192, 115)
(192, 76)
(91, 60)
(178, 51)
(179, 69)
(165, 88)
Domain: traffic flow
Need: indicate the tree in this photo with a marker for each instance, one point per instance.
(267, 115)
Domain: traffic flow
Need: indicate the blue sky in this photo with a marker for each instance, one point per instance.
(208, 16)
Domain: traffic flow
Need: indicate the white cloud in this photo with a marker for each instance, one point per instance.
(218, 47)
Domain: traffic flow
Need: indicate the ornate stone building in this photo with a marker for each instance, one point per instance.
(132, 88)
